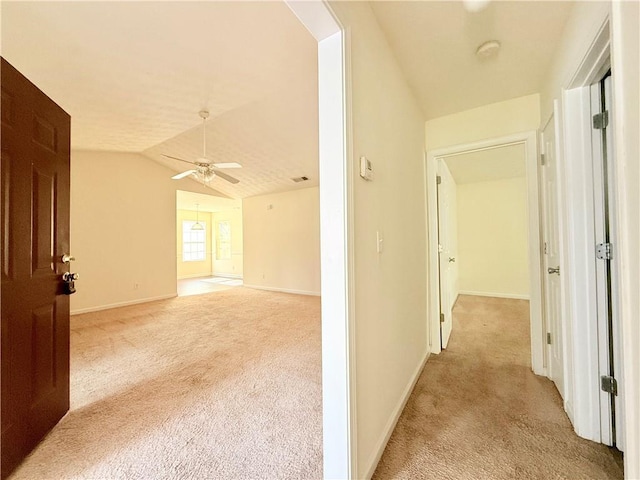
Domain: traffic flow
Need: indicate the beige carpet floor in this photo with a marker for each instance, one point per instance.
(223, 385)
(478, 412)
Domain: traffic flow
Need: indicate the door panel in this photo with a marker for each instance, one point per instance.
(35, 234)
(551, 277)
(446, 252)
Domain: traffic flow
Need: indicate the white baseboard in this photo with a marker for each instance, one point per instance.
(391, 424)
(495, 294)
(283, 290)
(121, 304)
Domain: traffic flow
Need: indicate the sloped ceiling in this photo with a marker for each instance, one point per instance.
(134, 75)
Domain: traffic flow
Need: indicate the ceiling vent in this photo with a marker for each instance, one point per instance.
(300, 179)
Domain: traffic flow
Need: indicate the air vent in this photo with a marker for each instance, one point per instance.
(300, 179)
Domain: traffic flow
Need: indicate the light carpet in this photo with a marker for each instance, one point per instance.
(478, 412)
(224, 385)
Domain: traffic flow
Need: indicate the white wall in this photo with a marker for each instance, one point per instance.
(391, 337)
(582, 25)
(491, 121)
(625, 21)
(123, 228)
(282, 241)
(493, 238)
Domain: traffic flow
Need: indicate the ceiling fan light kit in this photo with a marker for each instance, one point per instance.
(205, 170)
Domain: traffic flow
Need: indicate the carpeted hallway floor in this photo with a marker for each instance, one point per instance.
(228, 386)
(478, 412)
(224, 385)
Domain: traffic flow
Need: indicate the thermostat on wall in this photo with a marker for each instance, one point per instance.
(366, 169)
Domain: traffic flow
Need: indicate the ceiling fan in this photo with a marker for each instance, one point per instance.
(204, 170)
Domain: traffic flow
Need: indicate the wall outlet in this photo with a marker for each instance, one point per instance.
(136, 286)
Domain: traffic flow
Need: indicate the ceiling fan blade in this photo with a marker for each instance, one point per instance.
(227, 165)
(179, 159)
(183, 174)
(228, 178)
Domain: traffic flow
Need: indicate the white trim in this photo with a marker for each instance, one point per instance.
(427, 226)
(576, 178)
(336, 243)
(515, 296)
(121, 304)
(529, 139)
(283, 290)
(625, 112)
(393, 420)
(433, 311)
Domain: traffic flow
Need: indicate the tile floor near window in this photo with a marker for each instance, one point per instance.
(197, 286)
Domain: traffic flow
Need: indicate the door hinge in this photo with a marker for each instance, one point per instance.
(438, 180)
(545, 248)
(442, 318)
(601, 120)
(548, 338)
(603, 251)
(609, 384)
(542, 159)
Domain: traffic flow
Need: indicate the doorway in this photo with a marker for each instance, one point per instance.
(461, 158)
(209, 243)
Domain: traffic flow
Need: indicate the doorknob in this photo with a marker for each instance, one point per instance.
(553, 270)
(452, 259)
(66, 258)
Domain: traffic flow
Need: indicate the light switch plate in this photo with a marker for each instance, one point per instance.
(366, 168)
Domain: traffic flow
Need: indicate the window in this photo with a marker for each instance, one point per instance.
(193, 242)
(223, 241)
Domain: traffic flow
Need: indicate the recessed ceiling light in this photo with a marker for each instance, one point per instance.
(487, 49)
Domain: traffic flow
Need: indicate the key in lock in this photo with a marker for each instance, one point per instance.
(69, 282)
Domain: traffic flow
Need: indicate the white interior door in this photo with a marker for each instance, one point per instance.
(551, 262)
(446, 253)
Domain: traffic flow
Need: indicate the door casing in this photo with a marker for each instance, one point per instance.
(529, 140)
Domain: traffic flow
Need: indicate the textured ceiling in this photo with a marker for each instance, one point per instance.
(486, 165)
(133, 76)
(206, 203)
(435, 43)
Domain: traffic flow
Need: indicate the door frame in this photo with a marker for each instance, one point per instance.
(336, 237)
(582, 344)
(555, 121)
(530, 141)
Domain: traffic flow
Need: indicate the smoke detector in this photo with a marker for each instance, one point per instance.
(488, 49)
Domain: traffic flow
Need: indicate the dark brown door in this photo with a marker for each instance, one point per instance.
(35, 234)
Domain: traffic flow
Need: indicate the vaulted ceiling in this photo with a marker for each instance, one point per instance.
(133, 75)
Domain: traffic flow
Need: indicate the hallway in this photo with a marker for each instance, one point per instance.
(478, 411)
